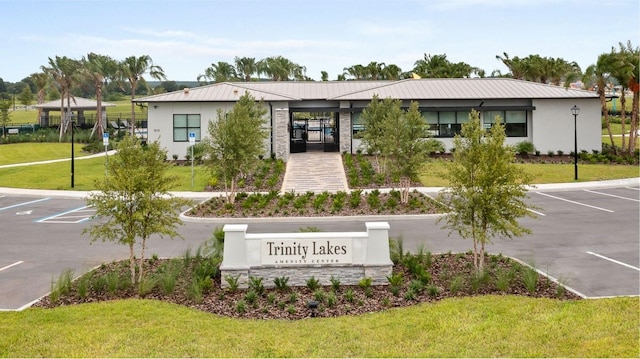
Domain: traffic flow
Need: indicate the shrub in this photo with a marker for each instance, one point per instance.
(530, 279)
(313, 283)
(251, 297)
(525, 147)
(434, 146)
(319, 295)
(335, 283)
(331, 300)
(255, 284)
(349, 295)
(62, 286)
(241, 306)
(456, 284)
(281, 283)
(234, 282)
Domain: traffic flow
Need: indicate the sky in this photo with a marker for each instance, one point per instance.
(186, 37)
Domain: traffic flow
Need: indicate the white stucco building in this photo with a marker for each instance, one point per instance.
(326, 115)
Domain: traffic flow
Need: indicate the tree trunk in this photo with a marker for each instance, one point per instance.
(97, 127)
(635, 102)
(623, 117)
(475, 245)
(132, 263)
(134, 84)
(405, 184)
(605, 113)
(141, 260)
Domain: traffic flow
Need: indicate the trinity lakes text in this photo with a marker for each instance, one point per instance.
(301, 251)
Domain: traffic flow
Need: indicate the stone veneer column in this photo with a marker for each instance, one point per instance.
(345, 132)
(281, 133)
(234, 259)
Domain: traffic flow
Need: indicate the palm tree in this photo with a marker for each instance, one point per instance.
(515, 65)
(132, 70)
(41, 80)
(220, 72)
(63, 72)
(97, 69)
(279, 68)
(356, 72)
(438, 66)
(374, 70)
(391, 72)
(324, 76)
(625, 70)
(246, 66)
(599, 74)
(634, 85)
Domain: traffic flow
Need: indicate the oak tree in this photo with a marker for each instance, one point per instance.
(486, 189)
(236, 141)
(133, 202)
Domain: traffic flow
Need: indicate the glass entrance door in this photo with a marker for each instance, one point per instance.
(298, 135)
(313, 132)
(330, 133)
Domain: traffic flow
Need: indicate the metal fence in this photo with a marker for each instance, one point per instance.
(115, 120)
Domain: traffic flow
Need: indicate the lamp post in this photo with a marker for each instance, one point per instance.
(72, 167)
(575, 110)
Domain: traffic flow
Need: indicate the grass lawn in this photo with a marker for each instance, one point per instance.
(57, 176)
(617, 140)
(485, 326)
(30, 152)
(432, 173)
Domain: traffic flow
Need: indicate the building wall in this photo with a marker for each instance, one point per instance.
(553, 125)
(549, 126)
(160, 125)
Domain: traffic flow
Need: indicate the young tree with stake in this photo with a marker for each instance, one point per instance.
(134, 200)
(486, 188)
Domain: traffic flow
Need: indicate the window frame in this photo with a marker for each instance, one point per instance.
(512, 128)
(188, 127)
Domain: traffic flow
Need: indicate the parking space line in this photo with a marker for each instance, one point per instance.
(611, 195)
(536, 212)
(11, 265)
(59, 216)
(574, 202)
(24, 203)
(637, 189)
(614, 261)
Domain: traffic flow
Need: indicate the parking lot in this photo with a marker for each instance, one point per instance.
(586, 238)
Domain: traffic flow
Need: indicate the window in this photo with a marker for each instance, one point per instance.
(357, 124)
(445, 123)
(185, 124)
(515, 122)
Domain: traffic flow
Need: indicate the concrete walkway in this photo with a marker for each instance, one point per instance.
(314, 171)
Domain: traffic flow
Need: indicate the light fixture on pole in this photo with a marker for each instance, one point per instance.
(72, 151)
(575, 110)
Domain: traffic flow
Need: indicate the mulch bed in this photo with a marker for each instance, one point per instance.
(450, 275)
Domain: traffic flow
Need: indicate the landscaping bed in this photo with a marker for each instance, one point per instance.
(311, 204)
(194, 281)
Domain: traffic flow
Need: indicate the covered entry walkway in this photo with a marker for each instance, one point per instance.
(314, 171)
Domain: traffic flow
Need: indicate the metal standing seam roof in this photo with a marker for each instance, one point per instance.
(77, 103)
(474, 88)
(408, 89)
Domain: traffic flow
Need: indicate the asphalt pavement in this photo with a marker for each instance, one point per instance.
(586, 235)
